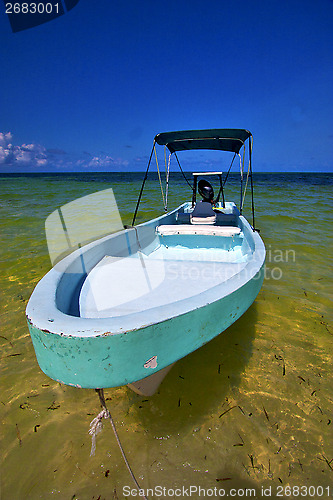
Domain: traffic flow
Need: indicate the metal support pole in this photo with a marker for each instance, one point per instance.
(252, 196)
(143, 183)
(221, 188)
(194, 194)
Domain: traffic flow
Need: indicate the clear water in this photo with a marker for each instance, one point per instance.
(251, 409)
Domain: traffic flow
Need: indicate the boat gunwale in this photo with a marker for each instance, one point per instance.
(42, 311)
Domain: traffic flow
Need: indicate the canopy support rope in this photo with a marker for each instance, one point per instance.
(96, 426)
(222, 183)
(182, 171)
(167, 173)
(232, 161)
(159, 177)
(241, 180)
(244, 193)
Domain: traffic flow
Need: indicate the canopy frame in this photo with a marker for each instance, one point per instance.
(231, 140)
(221, 139)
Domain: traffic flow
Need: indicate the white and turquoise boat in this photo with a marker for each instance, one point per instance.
(122, 309)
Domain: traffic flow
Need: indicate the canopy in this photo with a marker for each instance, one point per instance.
(224, 139)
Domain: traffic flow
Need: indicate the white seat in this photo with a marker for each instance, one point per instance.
(203, 220)
(205, 229)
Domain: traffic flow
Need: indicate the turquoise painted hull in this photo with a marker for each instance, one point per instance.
(113, 351)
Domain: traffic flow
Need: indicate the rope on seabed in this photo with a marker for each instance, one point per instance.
(96, 426)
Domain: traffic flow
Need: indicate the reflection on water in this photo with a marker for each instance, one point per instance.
(251, 409)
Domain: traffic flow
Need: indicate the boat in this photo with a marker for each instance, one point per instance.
(122, 309)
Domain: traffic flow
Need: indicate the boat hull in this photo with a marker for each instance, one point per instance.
(114, 360)
(113, 351)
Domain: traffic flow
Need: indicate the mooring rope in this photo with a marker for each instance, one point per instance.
(96, 426)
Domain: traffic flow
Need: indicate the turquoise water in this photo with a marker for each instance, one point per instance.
(251, 409)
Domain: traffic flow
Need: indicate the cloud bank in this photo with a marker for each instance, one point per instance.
(27, 154)
(36, 158)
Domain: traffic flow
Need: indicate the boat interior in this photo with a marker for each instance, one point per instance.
(156, 263)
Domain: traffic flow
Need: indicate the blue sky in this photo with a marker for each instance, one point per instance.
(89, 90)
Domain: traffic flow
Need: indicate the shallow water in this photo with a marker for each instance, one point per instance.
(251, 409)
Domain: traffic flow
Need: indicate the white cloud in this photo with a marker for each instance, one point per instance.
(5, 139)
(104, 161)
(22, 156)
(30, 156)
(27, 154)
(4, 154)
(29, 147)
(42, 162)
